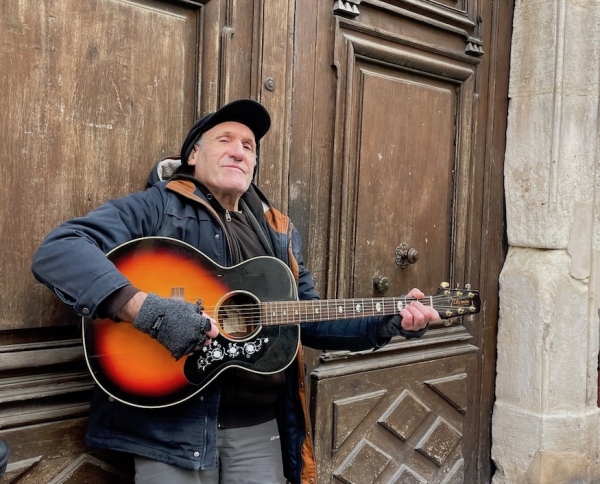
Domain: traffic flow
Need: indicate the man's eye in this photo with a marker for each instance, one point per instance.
(248, 147)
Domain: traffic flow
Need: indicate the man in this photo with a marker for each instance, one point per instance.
(244, 427)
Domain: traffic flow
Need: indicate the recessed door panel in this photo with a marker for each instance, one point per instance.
(404, 181)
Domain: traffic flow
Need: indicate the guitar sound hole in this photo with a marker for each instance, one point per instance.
(238, 316)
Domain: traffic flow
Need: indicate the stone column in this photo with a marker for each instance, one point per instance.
(546, 424)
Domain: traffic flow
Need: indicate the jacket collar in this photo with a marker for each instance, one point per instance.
(191, 188)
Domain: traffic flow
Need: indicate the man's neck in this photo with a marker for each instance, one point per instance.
(227, 201)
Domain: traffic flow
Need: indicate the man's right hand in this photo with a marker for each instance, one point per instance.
(178, 325)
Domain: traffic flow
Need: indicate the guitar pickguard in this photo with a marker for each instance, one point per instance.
(217, 352)
(265, 354)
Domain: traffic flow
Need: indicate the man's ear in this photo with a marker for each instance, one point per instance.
(254, 173)
(192, 157)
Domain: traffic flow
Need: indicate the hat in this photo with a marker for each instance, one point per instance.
(244, 111)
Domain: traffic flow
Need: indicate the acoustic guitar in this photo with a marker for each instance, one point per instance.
(255, 304)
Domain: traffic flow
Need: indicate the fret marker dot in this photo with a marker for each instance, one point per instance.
(358, 308)
(340, 309)
(378, 307)
(400, 306)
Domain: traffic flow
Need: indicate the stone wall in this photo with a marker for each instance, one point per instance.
(546, 423)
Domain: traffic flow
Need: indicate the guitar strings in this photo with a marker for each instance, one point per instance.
(345, 303)
(354, 301)
(342, 302)
(324, 310)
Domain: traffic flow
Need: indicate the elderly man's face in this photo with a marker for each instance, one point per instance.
(224, 161)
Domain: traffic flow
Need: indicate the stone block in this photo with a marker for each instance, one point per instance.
(542, 333)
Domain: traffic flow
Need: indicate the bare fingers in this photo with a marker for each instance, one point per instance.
(416, 316)
(213, 332)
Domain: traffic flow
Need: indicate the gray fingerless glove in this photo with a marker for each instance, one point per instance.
(389, 326)
(177, 325)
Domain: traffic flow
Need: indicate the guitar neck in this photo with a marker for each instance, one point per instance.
(296, 312)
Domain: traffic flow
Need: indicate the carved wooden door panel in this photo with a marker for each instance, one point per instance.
(399, 112)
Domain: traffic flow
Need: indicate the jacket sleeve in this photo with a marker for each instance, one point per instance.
(356, 334)
(71, 260)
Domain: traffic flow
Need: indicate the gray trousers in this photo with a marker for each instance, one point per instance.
(246, 455)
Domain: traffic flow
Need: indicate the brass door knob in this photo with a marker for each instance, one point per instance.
(381, 284)
(406, 255)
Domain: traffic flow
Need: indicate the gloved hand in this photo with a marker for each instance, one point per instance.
(178, 325)
(390, 326)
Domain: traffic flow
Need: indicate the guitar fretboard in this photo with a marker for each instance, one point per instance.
(296, 312)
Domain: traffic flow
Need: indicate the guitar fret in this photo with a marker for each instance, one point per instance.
(296, 313)
(273, 314)
(278, 309)
(264, 315)
(358, 308)
(285, 312)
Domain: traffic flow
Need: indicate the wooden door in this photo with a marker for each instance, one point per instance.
(95, 91)
(398, 123)
(388, 124)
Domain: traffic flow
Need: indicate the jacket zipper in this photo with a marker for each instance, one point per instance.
(216, 217)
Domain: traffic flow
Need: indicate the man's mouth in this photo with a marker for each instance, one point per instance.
(235, 167)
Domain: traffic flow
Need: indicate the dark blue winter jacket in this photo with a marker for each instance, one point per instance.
(72, 262)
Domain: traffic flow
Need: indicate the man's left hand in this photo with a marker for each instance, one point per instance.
(416, 315)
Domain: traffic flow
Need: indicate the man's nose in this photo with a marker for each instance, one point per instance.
(236, 150)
